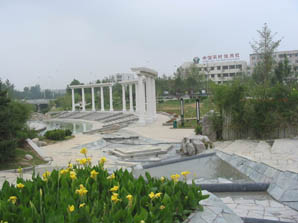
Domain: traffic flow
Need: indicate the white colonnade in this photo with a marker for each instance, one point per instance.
(144, 91)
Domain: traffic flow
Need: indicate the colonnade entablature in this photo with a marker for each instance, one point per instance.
(144, 94)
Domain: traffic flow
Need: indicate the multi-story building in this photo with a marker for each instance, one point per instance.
(121, 77)
(219, 71)
(292, 56)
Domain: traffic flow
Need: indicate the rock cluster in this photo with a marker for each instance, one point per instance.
(195, 144)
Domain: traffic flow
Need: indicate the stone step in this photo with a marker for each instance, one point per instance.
(69, 114)
(108, 115)
(86, 114)
(114, 118)
(128, 121)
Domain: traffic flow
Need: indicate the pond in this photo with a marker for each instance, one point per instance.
(75, 127)
(205, 169)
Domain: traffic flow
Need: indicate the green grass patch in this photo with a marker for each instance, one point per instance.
(20, 161)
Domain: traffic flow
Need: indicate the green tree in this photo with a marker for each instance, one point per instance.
(13, 117)
(264, 48)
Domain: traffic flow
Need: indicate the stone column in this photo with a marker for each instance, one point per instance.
(141, 100)
(111, 99)
(73, 99)
(153, 97)
(93, 101)
(130, 99)
(123, 98)
(83, 99)
(149, 110)
(137, 97)
(102, 100)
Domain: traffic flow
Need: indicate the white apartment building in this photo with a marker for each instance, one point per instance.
(220, 71)
(292, 56)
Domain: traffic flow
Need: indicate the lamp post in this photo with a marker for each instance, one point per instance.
(198, 110)
(182, 111)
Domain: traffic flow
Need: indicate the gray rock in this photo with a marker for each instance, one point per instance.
(198, 145)
(41, 143)
(35, 140)
(190, 149)
(28, 157)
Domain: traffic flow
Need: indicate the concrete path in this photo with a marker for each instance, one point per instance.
(283, 154)
(157, 131)
(258, 205)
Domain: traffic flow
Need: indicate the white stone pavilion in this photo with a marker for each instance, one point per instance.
(145, 96)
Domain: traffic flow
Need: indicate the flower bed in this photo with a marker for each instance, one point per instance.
(82, 193)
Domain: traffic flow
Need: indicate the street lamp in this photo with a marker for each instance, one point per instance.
(182, 111)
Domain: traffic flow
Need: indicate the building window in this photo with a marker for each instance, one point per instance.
(232, 67)
(218, 75)
(199, 69)
(218, 67)
(219, 82)
(205, 69)
(239, 66)
(232, 74)
(212, 68)
(225, 67)
(212, 75)
(296, 54)
(225, 75)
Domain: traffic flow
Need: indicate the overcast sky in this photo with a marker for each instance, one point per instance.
(50, 42)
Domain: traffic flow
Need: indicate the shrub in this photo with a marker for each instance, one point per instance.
(57, 134)
(89, 194)
(198, 130)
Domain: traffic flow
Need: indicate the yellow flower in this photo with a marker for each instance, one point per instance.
(45, 175)
(112, 176)
(73, 175)
(70, 208)
(129, 197)
(151, 195)
(83, 161)
(78, 161)
(142, 221)
(20, 170)
(82, 191)
(162, 207)
(63, 171)
(20, 185)
(185, 173)
(175, 177)
(89, 160)
(157, 195)
(94, 174)
(162, 179)
(102, 161)
(84, 151)
(13, 199)
(82, 205)
(70, 166)
(115, 198)
(115, 188)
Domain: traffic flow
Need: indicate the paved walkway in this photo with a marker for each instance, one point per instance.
(157, 131)
(283, 154)
(261, 206)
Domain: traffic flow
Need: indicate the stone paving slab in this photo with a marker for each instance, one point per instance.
(258, 205)
(283, 154)
(215, 211)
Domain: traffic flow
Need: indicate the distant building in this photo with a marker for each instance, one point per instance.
(219, 71)
(121, 77)
(292, 56)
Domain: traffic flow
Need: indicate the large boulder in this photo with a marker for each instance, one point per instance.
(190, 149)
(207, 126)
(194, 145)
(28, 157)
(198, 145)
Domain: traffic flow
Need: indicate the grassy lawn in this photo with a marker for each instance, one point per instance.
(20, 161)
(173, 107)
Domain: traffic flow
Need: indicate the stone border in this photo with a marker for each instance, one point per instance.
(283, 184)
(256, 220)
(214, 211)
(147, 166)
(235, 187)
